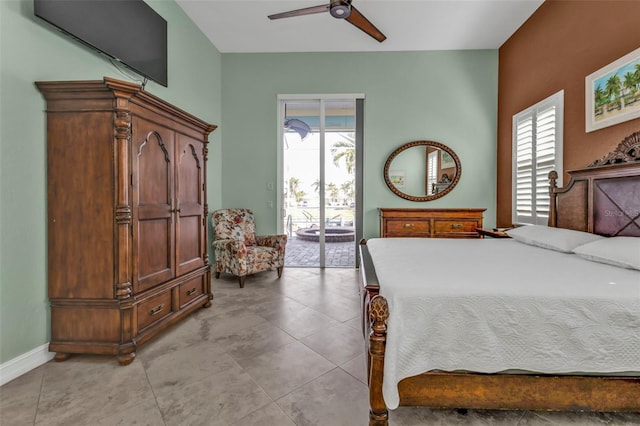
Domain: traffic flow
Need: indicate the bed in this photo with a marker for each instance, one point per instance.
(595, 308)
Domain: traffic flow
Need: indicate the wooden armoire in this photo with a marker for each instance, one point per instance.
(126, 216)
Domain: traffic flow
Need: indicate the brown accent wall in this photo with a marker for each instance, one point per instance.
(555, 49)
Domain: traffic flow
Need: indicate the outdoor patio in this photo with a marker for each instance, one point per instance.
(300, 253)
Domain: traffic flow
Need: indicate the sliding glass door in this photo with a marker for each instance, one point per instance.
(319, 181)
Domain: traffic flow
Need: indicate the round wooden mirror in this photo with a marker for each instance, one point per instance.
(422, 170)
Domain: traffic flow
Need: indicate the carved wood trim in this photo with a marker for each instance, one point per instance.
(123, 213)
(378, 315)
(576, 202)
(553, 196)
(193, 153)
(205, 158)
(627, 151)
(124, 89)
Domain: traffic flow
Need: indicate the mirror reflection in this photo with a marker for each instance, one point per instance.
(422, 170)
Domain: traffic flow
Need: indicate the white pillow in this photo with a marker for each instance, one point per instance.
(558, 239)
(618, 251)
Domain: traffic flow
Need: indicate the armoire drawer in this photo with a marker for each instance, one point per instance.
(154, 309)
(190, 290)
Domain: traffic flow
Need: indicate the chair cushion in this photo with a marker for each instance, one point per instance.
(236, 224)
(260, 258)
(261, 254)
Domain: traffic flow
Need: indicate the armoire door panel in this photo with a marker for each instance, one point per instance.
(190, 240)
(79, 185)
(155, 262)
(154, 170)
(189, 249)
(153, 194)
(190, 172)
(154, 211)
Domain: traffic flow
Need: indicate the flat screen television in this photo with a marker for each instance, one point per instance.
(129, 31)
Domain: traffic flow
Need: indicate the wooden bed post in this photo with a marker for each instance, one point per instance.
(553, 185)
(378, 314)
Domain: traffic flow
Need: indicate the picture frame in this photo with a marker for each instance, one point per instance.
(611, 97)
(446, 161)
(398, 178)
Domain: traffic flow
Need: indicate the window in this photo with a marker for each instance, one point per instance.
(537, 149)
(432, 172)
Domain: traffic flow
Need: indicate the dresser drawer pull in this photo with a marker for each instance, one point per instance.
(456, 226)
(156, 310)
(190, 292)
(408, 225)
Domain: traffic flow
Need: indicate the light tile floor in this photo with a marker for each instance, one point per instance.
(276, 353)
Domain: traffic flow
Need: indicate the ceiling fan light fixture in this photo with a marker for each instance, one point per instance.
(340, 10)
(298, 126)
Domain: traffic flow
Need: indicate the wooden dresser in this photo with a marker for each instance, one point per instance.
(430, 223)
(126, 219)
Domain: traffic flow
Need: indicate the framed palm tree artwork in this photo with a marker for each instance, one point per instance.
(612, 94)
(398, 178)
(446, 161)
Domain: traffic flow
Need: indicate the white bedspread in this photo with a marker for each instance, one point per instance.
(493, 305)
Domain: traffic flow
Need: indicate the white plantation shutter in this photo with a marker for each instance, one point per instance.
(545, 157)
(432, 171)
(524, 167)
(537, 143)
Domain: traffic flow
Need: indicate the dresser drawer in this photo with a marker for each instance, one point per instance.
(190, 290)
(407, 227)
(453, 226)
(154, 309)
(428, 223)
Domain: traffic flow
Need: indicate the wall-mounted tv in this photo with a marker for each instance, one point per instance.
(129, 31)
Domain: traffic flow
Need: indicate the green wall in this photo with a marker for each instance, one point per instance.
(444, 96)
(31, 50)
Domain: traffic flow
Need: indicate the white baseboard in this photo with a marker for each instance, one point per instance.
(24, 363)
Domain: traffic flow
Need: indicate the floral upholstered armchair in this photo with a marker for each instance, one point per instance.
(239, 251)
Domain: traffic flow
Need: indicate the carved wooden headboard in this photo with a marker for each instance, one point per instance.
(604, 197)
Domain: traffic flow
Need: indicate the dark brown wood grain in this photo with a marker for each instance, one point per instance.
(430, 223)
(603, 198)
(126, 197)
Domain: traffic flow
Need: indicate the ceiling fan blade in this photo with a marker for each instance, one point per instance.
(299, 12)
(357, 19)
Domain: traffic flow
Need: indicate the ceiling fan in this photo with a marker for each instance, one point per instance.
(341, 9)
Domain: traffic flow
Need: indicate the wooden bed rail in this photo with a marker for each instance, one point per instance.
(368, 271)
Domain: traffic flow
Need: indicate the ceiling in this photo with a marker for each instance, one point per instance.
(243, 26)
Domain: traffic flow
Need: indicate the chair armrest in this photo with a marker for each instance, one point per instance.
(275, 241)
(232, 246)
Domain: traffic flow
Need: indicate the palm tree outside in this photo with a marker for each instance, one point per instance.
(322, 164)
